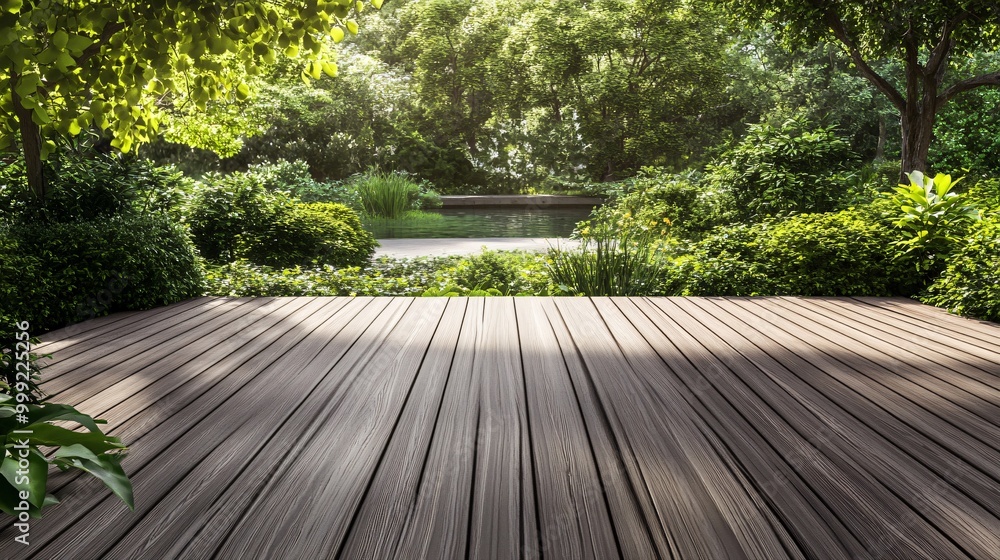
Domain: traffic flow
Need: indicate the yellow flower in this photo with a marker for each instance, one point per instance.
(666, 221)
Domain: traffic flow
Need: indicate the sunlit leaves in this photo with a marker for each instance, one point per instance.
(112, 65)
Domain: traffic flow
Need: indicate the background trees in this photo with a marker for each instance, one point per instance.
(928, 40)
(72, 66)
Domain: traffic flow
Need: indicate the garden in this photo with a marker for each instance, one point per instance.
(741, 149)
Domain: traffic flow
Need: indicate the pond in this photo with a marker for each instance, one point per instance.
(483, 221)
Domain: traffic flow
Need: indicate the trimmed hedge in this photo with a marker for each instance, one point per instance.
(55, 274)
(834, 254)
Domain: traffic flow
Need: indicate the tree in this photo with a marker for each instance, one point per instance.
(103, 65)
(924, 36)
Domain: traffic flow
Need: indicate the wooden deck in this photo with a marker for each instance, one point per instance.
(701, 428)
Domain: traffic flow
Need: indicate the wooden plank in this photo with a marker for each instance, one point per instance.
(756, 529)
(129, 343)
(256, 380)
(666, 445)
(859, 378)
(913, 310)
(136, 392)
(437, 526)
(772, 467)
(170, 346)
(316, 490)
(85, 330)
(201, 379)
(975, 335)
(823, 394)
(61, 340)
(970, 411)
(966, 360)
(392, 493)
(845, 441)
(503, 517)
(215, 493)
(573, 517)
(625, 503)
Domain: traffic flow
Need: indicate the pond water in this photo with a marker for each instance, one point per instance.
(482, 221)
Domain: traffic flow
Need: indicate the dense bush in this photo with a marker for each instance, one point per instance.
(295, 179)
(385, 277)
(970, 284)
(65, 272)
(325, 232)
(835, 254)
(237, 217)
(678, 204)
(779, 170)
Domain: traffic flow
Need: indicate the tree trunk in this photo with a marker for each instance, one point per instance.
(31, 144)
(918, 129)
(882, 134)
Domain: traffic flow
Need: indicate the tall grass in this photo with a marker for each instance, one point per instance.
(387, 195)
(610, 262)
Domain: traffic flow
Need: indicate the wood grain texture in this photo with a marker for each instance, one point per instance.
(542, 428)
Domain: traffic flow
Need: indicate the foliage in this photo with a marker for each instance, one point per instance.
(237, 217)
(932, 218)
(615, 259)
(87, 185)
(295, 179)
(384, 277)
(491, 273)
(834, 254)
(108, 66)
(964, 130)
(322, 232)
(680, 205)
(507, 273)
(66, 272)
(970, 284)
(226, 208)
(387, 195)
(923, 38)
(779, 170)
(91, 451)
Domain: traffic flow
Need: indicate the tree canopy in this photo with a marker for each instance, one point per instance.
(74, 65)
(926, 37)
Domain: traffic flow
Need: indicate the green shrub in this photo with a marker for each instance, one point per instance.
(324, 232)
(508, 273)
(970, 283)
(61, 273)
(676, 204)
(226, 209)
(779, 170)
(50, 444)
(932, 219)
(835, 254)
(295, 179)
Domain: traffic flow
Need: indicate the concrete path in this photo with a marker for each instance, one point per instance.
(409, 248)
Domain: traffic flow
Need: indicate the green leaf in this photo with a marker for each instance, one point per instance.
(352, 26)
(50, 434)
(337, 34)
(60, 39)
(12, 6)
(106, 467)
(34, 479)
(377, 4)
